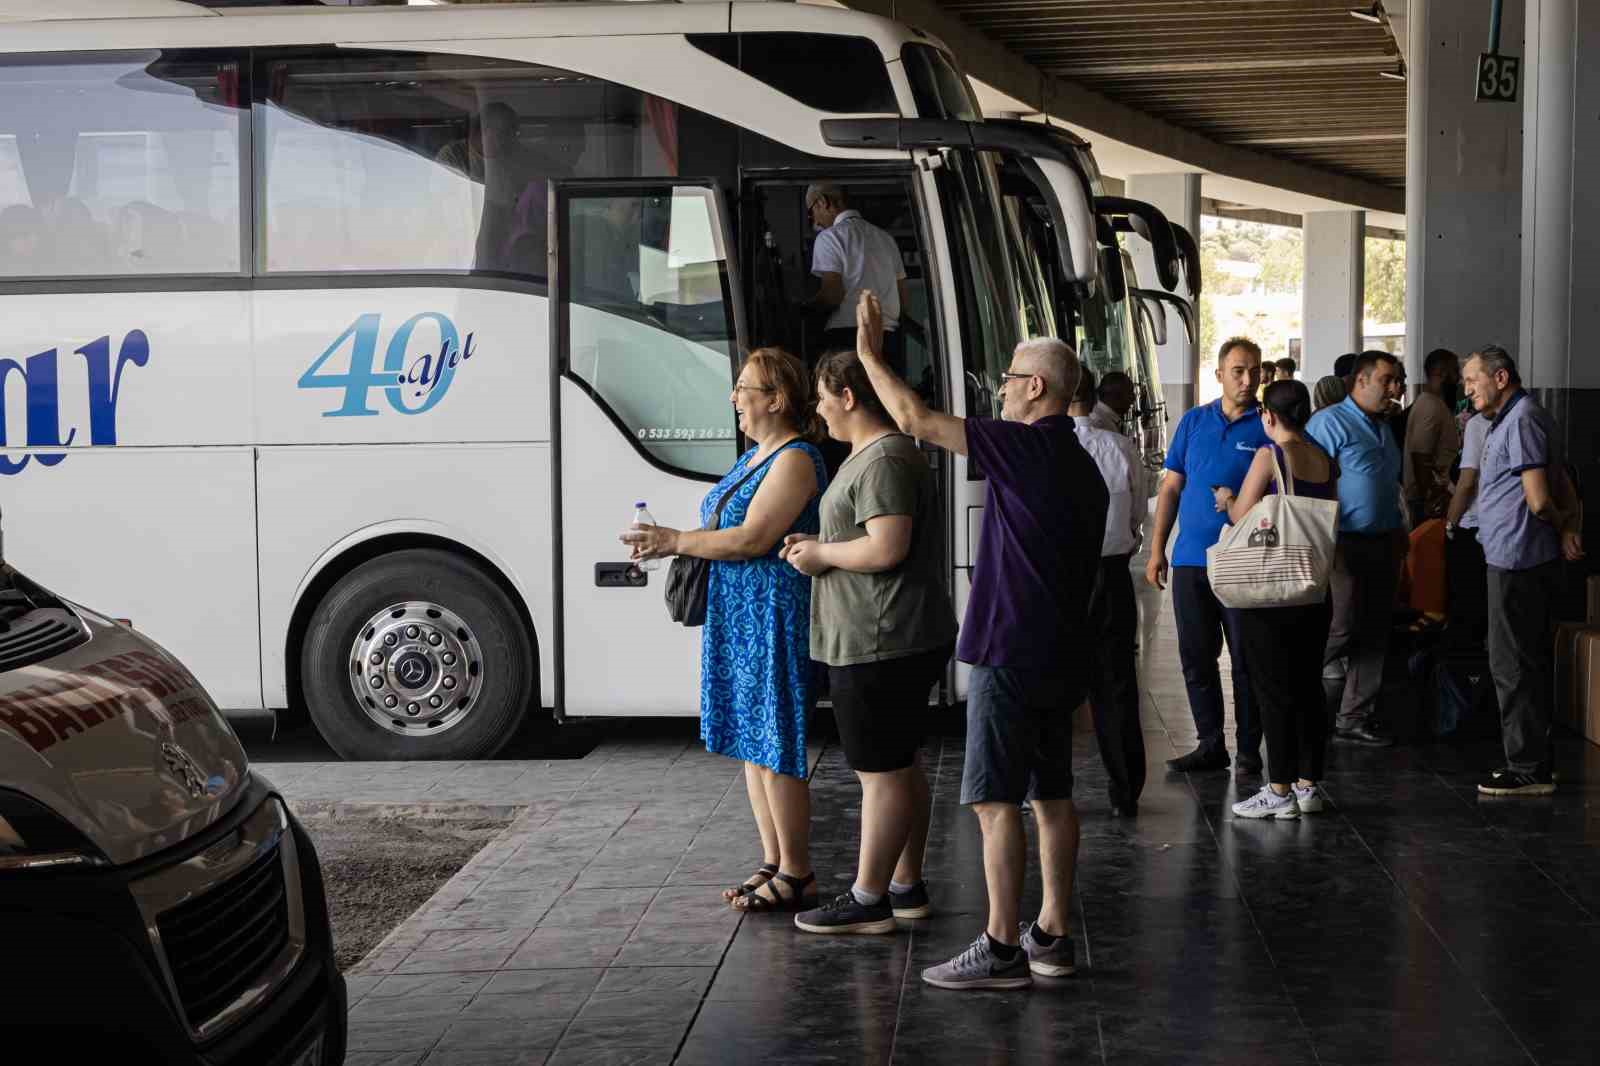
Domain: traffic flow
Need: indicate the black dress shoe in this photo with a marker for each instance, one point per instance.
(1247, 763)
(1363, 736)
(1199, 760)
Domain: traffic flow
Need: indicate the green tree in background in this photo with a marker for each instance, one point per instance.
(1386, 280)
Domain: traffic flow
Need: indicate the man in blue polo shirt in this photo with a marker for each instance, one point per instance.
(1529, 518)
(1212, 449)
(1372, 541)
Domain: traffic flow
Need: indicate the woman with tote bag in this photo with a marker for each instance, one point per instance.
(1284, 643)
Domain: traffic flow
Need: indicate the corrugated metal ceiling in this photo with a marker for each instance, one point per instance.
(1295, 78)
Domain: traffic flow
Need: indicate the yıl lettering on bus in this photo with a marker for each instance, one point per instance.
(404, 377)
(41, 382)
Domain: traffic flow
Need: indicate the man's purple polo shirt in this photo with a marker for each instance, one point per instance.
(1039, 552)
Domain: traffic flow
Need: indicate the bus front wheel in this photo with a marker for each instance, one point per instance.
(417, 654)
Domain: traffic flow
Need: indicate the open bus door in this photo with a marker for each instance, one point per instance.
(646, 326)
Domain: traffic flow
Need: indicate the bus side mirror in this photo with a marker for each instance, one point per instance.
(1155, 315)
(1136, 216)
(1189, 252)
(1111, 275)
(1163, 300)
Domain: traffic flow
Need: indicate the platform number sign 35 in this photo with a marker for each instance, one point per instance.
(1499, 77)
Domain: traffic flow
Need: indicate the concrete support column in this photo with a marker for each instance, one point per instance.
(1549, 74)
(1463, 184)
(1333, 290)
(1178, 197)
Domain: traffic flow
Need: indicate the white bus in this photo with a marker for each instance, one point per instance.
(338, 342)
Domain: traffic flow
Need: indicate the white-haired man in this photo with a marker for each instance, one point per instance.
(1044, 520)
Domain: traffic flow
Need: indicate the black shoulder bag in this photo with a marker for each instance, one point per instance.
(688, 577)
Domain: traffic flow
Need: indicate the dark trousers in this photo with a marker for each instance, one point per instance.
(1203, 625)
(1521, 654)
(1114, 680)
(1467, 588)
(1284, 646)
(1363, 585)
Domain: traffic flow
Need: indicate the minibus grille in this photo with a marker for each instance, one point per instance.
(39, 636)
(218, 945)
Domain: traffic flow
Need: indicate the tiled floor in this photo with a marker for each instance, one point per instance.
(1411, 923)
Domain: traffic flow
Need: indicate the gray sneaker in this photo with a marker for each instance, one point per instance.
(1053, 961)
(978, 967)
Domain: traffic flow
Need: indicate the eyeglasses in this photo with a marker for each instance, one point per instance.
(754, 388)
(1009, 376)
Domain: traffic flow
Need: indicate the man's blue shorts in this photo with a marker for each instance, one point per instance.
(1019, 735)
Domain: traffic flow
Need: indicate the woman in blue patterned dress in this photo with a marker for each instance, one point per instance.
(755, 683)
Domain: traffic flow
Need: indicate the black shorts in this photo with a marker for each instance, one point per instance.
(881, 709)
(1019, 735)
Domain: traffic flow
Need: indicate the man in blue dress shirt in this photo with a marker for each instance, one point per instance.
(1372, 542)
(1529, 519)
(1211, 450)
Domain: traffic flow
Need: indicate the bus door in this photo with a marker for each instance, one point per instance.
(777, 237)
(646, 326)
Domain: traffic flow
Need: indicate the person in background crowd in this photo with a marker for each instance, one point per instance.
(1113, 613)
(1287, 369)
(1115, 400)
(1344, 368)
(852, 255)
(882, 622)
(1044, 520)
(1466, 572)
(1432, 439)
(1212, 448)
(1284, 644)
(1398, 414)
(755, 673)
(1372, 538)
(1530, 519)
(1329, 391)
(1269, 374)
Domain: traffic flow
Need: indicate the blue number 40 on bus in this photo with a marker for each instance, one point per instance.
(404, 379)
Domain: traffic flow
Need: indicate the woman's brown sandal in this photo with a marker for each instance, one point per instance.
(798, 898)
(754, 881)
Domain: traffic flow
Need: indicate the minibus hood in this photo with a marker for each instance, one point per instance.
(116, 737)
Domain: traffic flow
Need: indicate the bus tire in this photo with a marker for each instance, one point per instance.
(434, 647)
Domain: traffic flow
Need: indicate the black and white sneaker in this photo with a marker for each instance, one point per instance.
(1508, 782)
(912, 903)
(846, 914)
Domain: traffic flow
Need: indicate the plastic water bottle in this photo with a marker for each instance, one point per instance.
(643, 517)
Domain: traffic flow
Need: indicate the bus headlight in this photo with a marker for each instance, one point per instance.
(33, 837)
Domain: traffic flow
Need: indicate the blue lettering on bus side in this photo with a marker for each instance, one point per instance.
(412, 380)
(41, 382)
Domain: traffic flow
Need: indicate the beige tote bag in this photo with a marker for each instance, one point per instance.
(1281, 554)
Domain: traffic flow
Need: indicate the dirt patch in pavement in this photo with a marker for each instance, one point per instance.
(380, 865)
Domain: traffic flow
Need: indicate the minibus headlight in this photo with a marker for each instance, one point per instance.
(33, 837)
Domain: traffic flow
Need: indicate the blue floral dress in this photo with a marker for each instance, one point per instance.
(755, 651)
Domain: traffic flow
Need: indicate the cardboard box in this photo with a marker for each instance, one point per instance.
(1578, 678)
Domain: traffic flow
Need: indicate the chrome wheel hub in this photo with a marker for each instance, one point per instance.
(416, 668)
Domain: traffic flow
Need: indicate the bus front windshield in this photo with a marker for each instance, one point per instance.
(987, 281)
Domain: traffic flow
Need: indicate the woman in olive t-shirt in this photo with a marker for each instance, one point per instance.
(881, 620)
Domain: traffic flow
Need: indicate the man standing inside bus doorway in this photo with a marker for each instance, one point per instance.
(850, 256)
(1044, 520)
(1211, 451)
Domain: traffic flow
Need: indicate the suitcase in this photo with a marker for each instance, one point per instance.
(1578, 678)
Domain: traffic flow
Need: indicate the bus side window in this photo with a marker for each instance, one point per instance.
(119, 164)
(650, 318)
